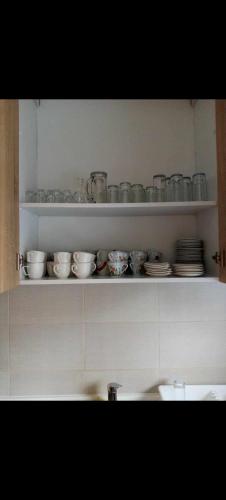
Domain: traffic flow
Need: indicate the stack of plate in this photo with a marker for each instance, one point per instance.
(189, 251)
(158, 269)
(188, 270)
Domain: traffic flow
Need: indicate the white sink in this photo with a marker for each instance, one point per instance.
(193, 393)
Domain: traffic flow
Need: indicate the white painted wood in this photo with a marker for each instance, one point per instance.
(96, 280)
(116, 209)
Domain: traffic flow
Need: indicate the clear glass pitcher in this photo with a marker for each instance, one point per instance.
(97, 187)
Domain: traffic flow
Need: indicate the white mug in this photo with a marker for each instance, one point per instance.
(83, 270)
(62, 257)
(62, 271)
(36, 256)
(35, 270)
(83, 257)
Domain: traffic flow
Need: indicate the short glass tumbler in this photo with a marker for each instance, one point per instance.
(30, 196)
(125, 192)
(137, 193)
(151, 194)
(40, 196)
(199, 187)
(113, 193)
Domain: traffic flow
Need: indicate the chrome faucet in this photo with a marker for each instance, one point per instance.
(112, 391)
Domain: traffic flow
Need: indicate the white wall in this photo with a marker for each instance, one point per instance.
(63, 340)
(131, 140)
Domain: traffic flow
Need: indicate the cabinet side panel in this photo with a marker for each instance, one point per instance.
(9, 187)
(221, 155)
(27, 146)
(207, 223)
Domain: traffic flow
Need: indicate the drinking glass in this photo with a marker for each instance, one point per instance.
(80, 195)
(97, 187)
(40, 196)
(199, 189)
(176, 190)
(113, 193)
(151, 193)
(186, 188)
(58, 196)
(68, 196)
(30, 196)
(50, 196)
(168, 189)
(137, 193)
(159, 182)
(125, 192)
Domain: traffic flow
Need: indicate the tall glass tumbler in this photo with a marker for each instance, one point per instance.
(186, 188)
(199, 187)
(176, 187)
(159, 182)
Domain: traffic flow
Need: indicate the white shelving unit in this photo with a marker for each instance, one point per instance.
(96, 280)
(116, 209)
(131, 140)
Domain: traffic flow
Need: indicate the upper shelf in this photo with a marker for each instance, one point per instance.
(117, 209)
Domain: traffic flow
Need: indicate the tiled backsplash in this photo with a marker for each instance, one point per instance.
(75, 339)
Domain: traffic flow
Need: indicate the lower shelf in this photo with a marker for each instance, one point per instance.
(96, 280)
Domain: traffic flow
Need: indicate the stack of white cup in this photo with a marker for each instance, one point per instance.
(62, 264)
(36, 264)
(83, 265)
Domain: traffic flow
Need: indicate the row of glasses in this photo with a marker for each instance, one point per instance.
(55, 196)
(178, 188)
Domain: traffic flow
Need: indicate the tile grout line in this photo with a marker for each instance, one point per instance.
(158, 309)
(84, 327)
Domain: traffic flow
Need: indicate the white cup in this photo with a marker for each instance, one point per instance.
(62, 257)
(83, 257)
(35, 270)
(36, 256)
(83, 269)
(50, 271)
(62, 271)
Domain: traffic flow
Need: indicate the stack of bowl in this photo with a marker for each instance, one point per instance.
(117, 262)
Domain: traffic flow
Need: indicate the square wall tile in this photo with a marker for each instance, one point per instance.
(44, 305)
(4, 383)
(115, 346)
(189, 302)
(188, 345)
(47, 347)
(194, 375)
(96, 382)
(46, 383)
(129, 303)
